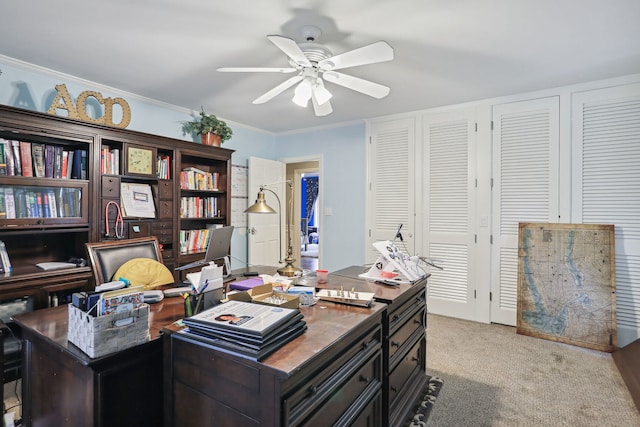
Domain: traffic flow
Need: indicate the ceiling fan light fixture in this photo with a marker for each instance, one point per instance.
(315, 64)
(302, 94)
(321, 93)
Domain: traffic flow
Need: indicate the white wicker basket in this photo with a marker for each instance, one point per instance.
(102, 335)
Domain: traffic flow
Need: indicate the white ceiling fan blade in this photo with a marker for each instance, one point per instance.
(321, 109)
(277, 90)
(291, 48)
(255, 70)
(364, 86)
(375, 52)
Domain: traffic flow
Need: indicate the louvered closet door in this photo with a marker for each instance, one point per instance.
(449, 206)
(525, 189)
(391, 183)
(606, 186)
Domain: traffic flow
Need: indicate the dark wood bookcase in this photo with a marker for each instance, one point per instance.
(86, 204)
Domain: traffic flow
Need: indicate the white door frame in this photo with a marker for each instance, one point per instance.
(297, 200)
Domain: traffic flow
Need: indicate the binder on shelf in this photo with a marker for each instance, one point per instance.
(57, 161)
(10, 203)
(17, 161)
(5, 145)
(3, 158)
(37, 157)
(49, 158)
(25, 158)
(76, 166)
(67, 164)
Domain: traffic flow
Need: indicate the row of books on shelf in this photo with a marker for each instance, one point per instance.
(5, 262)
(197, 179)
(193, 241)
(164, 167)
(109, 160)
(32, 159)
(199, 207)
(40, 202)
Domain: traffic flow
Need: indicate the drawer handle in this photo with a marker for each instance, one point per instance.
(395, 344)
(312, 390)
(365, 379)
(395, 317)
(417, 321)
(415, 359)
(394, 389)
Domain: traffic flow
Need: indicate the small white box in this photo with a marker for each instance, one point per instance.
(307, 294)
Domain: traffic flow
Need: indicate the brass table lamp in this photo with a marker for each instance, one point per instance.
(261, 207)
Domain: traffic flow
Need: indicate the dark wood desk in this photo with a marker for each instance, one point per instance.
(361, 366)
(353, 366)
(62, 386)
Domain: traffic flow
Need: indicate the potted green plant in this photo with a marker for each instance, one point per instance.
(213, 130)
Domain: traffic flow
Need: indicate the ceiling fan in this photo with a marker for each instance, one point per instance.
(314, 64)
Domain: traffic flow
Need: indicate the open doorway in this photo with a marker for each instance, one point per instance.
(306, 211)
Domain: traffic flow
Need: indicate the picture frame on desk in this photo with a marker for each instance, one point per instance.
(140, 160)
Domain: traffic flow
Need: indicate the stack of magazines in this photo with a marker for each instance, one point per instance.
(246, 328)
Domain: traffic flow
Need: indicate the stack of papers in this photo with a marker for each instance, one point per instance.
(55, 265)
(245, 328)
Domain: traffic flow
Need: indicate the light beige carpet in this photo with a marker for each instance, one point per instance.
(494, 377)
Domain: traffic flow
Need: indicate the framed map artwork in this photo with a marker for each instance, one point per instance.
(566, 284)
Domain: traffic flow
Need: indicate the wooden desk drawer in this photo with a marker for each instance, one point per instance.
(401, 314)
(371, 415)
(346, 401)
(400, 377)
(401, 335)
(222, 386)
(336, 387)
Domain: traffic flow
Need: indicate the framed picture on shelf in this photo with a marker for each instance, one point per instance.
(140, 160)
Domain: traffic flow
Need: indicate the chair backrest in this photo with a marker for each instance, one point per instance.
(107, 257)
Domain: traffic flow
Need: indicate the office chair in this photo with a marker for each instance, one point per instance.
(11, 356)
(107, 257)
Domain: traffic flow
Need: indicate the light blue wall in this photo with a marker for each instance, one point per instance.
(342, 151)
(33, 88)
(342, 188)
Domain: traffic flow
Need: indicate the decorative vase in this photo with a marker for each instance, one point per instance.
(211, 139)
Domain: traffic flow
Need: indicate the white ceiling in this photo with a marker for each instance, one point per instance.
(446, 51)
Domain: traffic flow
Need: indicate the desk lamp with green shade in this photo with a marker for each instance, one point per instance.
(261, 207)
